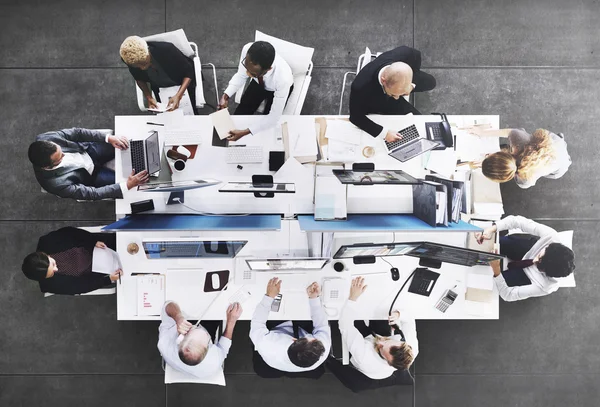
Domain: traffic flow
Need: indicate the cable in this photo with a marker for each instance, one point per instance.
(386, 261)
(176, 199)
(400, 290)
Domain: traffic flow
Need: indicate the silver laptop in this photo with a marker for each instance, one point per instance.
(410, 145)
(142, 155)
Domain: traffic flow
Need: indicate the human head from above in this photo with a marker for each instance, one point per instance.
(397, 80)
(194, 346)
(45, 154)
(259, 59)
(305, 352)
(134, 52)
(38, 266)
(398, 354)
(499, 167)
(556, 260)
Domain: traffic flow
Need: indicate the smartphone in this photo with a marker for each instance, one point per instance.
(276, 303)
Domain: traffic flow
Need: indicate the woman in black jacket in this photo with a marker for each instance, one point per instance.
(62, 262)
(162, 65)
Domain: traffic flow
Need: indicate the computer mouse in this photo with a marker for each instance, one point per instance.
(216, 281)
(395, 274)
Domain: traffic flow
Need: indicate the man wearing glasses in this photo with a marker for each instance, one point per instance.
(380, 87)
(272, 81)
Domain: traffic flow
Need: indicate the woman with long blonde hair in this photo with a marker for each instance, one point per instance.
(528, 157)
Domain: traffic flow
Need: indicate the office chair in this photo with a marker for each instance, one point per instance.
(190, 50)
(299, 58)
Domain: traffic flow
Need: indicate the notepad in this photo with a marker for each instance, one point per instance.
(105, 261)
(222, 122)
(185, 104)
(150, 294)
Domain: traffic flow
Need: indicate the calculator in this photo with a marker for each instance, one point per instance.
(447, 299)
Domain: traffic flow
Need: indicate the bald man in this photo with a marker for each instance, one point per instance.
(380, 86)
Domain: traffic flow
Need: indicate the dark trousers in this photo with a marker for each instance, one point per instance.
(262, 369)
(253, 97)
(514, 247)
(101, 153)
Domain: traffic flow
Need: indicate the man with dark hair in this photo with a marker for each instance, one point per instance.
(272, 82)
(379, 349)
(288, 349)
(537, 259)
(70, 163)
(380, 88)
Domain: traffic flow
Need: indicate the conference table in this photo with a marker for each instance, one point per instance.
(185, 277)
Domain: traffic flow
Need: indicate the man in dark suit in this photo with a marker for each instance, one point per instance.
(70, 163)
(380, 86)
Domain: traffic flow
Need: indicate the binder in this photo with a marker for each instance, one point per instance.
(429, 203)
(454, 195)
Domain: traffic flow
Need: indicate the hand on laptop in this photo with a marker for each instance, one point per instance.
(235, 135)
(136, 179)
(119, 142)
(392, 136)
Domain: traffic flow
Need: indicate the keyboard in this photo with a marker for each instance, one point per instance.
(182, 137)
(174, 249)
(245, 155)
(138, 157)
(408, 134)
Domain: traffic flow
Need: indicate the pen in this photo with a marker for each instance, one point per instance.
(154, 124)
(119, 278)
(237, 145)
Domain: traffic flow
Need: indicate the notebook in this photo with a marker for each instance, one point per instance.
(150, 294)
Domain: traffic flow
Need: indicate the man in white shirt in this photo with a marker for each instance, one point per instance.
(537, 259)
(378, 355)
(195, 354)
(283, 351)
(70, 163)
(272, 81)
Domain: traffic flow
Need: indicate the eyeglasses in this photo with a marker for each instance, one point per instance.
(252, 74)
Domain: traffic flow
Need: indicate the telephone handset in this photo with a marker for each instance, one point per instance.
(440, 132)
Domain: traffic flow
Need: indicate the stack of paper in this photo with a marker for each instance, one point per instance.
(343, 141)
(105, 261)
(479, 287)
(185, 104)
(150, 294)
(300, 140)
(330, 195)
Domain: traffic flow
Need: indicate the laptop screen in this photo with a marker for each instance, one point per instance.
(152, 153)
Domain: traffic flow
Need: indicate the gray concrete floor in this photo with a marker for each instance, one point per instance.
(535, 63)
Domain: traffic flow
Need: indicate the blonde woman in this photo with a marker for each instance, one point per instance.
(528, 157)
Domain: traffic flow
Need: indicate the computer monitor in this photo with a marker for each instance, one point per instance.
(431, 254)
(375, 177)
(287, 264)
(182, 248)
(176, 188)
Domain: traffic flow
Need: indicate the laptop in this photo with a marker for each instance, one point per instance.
(142, 155)
(410, 145)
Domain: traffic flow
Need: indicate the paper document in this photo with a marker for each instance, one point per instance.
(442, 162)
(339, 151)
(300, 139)
(150, 294)
(105, 261)
(480, 281)
(185, 104)
(343, 130)
(172, 119)
(222, 122)
(160, 107)
(330, 195)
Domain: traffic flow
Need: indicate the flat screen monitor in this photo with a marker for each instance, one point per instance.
(287, 264)
(176, 186)
(431, 254)
(186, 249)
(377, 177)
(277, 187)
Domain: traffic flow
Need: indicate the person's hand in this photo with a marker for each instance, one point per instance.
(118, 142)
(100, 245)
(235, 135)
(313, 290)
(487, 234)
(495, 264)
(477, 129)
(357, 288)
(273, 287)
(152, 103)
(136, 179)
(392, 136)
(234, 311)
(223, 102)
(115, 276)
(393, 319)
(183, 325)
(173, 103)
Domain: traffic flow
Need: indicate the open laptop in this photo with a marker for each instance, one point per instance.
(142, 155)
(410, 145)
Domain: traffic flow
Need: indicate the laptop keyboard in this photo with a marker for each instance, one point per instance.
(408, 134)
(244, 155)
(138, 159)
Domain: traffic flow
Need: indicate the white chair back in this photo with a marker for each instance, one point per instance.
(298, 57)
(177, 38)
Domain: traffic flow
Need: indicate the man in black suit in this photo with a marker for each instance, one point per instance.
(380, 86)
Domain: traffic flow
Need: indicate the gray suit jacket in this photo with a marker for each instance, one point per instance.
(71, 182)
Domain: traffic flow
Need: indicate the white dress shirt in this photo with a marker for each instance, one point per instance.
(167, 346)
(541, 284)
(365, 357)
(279, 80)
(273, 345)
